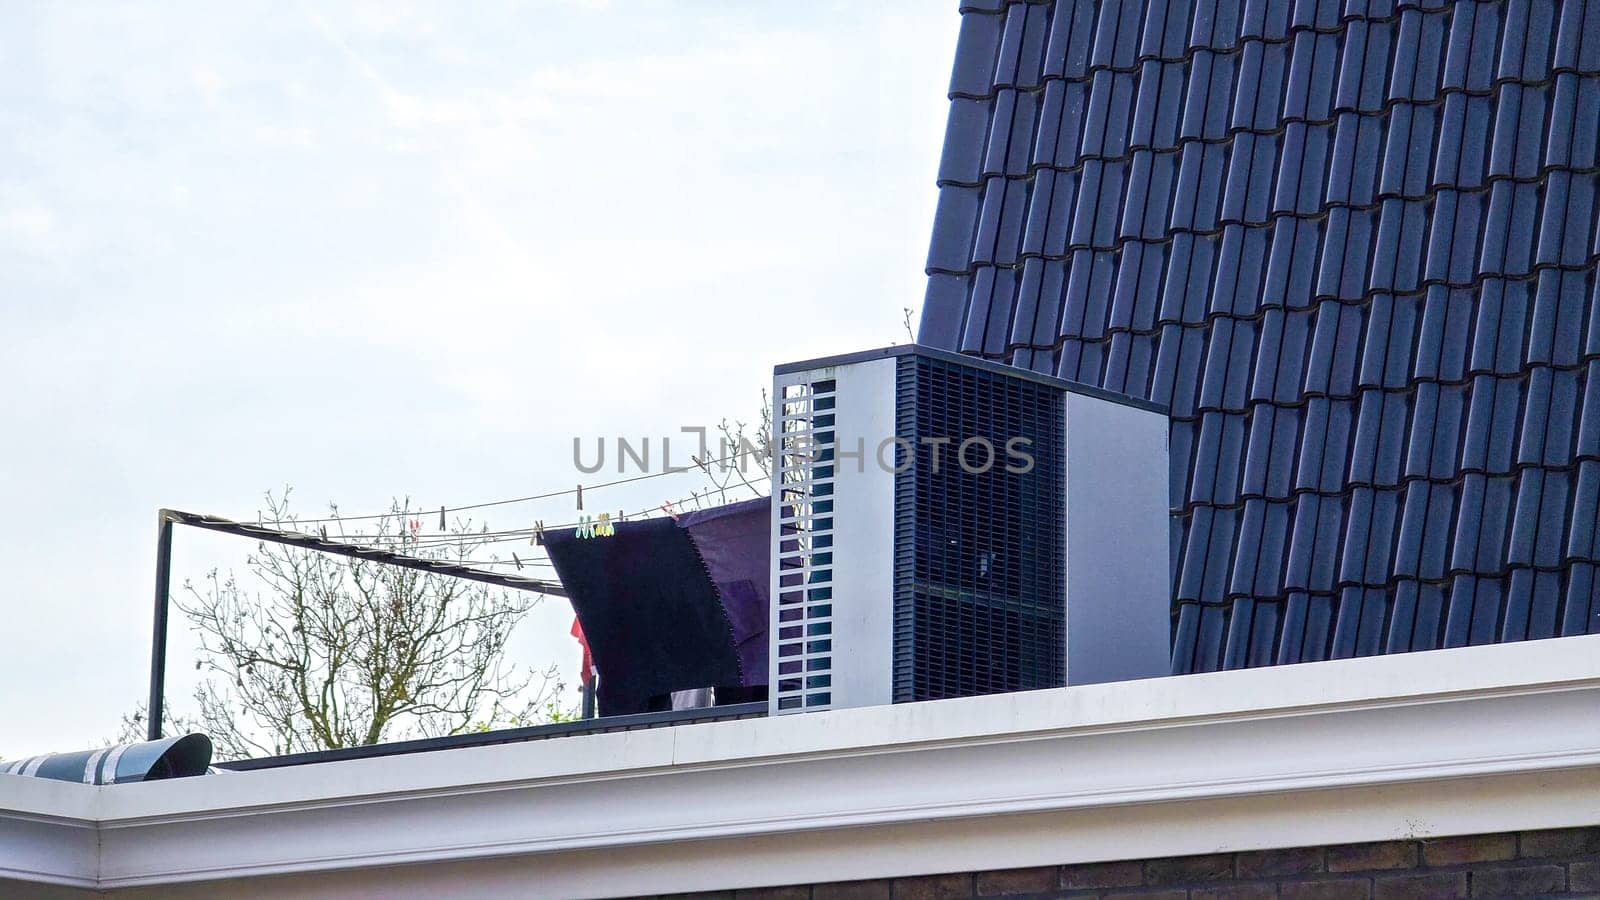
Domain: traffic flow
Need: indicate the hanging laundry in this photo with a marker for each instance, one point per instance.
(669, 606)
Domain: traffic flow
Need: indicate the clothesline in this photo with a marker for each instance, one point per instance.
(699, 465)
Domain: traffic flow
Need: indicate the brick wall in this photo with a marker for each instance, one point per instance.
(1563, 863)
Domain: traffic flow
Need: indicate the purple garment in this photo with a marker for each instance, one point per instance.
(735, 543)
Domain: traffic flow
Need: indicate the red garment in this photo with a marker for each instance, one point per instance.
(586, 670)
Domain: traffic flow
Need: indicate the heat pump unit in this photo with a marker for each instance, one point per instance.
(946, 527)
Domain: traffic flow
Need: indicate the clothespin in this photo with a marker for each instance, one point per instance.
(538, 534)
(585, 528)
(442, 524)
(667, 508)
(580, 496)
(517, 561)
(604, 528)
(323, 530)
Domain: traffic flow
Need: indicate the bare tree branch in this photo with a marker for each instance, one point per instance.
(333, 652)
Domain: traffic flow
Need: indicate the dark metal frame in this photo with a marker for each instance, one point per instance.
(167, 518)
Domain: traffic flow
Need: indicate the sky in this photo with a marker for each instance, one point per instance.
(389, 250)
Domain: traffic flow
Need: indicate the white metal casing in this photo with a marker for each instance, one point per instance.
(860, 571)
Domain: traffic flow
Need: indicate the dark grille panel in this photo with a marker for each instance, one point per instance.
(978, 555)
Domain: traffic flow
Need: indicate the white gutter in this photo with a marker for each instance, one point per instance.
(1474, 740)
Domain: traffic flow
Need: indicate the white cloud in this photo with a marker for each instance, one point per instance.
(208, 81)
(33, 224)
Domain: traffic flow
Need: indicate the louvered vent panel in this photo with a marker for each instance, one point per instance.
(805, 551)
(979, 597)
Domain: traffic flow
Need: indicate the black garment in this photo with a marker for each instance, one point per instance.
(650, 612)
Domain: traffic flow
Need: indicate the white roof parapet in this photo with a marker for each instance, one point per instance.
(1473, 740)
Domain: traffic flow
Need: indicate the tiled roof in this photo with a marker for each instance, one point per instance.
(1353, 246)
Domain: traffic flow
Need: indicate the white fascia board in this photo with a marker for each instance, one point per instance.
(1446, 742)
(48, 831)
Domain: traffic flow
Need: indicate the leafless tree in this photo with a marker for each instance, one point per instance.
(333, 652)
(740, 460)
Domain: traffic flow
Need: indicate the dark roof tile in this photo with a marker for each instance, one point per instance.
(1281, 355)
(965, 136)
(1491, 429)
(955, 223)
(1207, 106)
(1386, 353)
(1105, 125)
(1497, 338)
(1418, 52)
(1071, 38)
(1061, 114)
(1009, 56)
(1088, 290)
(1368, 534)
(1099, 203)
(1548, 418)
(1136, 297)
(1582, 543)
(1576, 44)
(1364, 68)
(1313, 543)
(1591, 344)
(1215, 24)
(1525, 47)
(1241, 259)
(1588, 446)
(1408, 151)
(1443, 345)
(1319, 14)
(1423, 548)
(1459, 150)
(944, 309)
(1519, 127)
(1149, 199)
(1046, 230)
(1538, 522)
(1378, 454)
(1258, 572)
(1116, 36)
(1582, 600)
(1323, 444)
(1576, 103)
(1302, 169)
(1438, 411)
(1469, 57)
(1358, 630)
(1267, 469)
(1157, 109)
(977, 52)
(1166, 30)
(1353, 247)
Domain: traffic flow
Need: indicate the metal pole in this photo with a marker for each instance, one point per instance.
(158, 635)
(588, 698)
(356, 551)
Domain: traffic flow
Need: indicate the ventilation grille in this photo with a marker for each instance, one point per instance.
(978, 554)
(805, 546)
